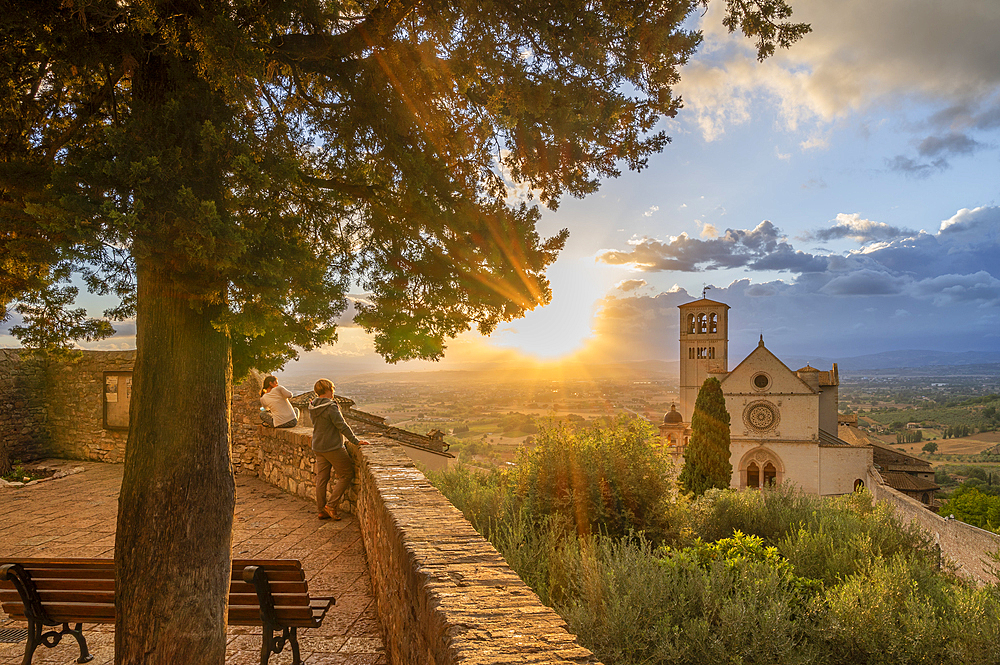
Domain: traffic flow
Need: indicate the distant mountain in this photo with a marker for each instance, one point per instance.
(898, 359)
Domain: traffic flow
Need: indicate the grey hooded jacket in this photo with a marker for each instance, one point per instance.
(329, 426)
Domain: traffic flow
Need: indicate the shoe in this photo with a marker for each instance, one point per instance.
(332, 512)
(323, 515)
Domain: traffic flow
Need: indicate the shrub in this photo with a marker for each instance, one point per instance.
(601, 479)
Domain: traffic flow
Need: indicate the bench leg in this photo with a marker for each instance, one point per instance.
(293, 639)
(269, 643)
(51, 638)
(34, 639)
(77, 632)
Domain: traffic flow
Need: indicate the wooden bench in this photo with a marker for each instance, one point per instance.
(271, 593)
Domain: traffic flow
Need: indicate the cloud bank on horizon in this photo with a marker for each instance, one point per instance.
(899, 290)
(951, 265)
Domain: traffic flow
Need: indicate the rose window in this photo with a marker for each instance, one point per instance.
(760, 416)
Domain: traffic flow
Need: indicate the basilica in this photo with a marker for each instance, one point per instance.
(783, 422)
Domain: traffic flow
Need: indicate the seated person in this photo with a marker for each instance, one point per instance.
(276, 410)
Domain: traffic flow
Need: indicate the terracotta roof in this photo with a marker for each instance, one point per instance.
(904, 482)
(827, 439)
(703, 301)
(889, 458)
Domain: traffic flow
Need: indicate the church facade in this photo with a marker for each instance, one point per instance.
(783, 422)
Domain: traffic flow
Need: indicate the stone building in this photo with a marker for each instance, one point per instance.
(783, 422)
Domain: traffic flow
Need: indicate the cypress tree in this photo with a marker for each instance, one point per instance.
(706, 458)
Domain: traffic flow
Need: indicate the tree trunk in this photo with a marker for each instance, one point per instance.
(175, 511)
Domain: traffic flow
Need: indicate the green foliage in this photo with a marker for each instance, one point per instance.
(706, 457)
(263, 156)
(930, 447)
(972, 413)
(601, 478)
(19, 473)
(910, 436)
(974, 507)
(771, 576)
(956, 431)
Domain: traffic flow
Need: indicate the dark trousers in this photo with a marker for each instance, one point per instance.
(342, 465)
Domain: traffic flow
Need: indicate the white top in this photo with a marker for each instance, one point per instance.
(276, 401)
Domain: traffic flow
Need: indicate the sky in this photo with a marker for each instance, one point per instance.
(843, 197)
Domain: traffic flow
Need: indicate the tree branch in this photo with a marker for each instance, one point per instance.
(374, 31)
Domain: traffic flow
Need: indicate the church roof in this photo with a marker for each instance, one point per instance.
(761, 349)
(827, 439)
(826, 378)
(904, 482)
(894, 460)
(701, 302)
(672, 416)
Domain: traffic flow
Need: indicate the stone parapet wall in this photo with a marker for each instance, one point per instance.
(245, 423)
(444, 595)
(75, 401)
(23, 417)
(965, 545)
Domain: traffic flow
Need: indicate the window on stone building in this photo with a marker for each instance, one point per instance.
(753, 475)
(926, 498)
(702, 323)
(859, 485)
(691, 327)
(770, 473)
(691, 353)
(713, 323)
(117, 398)
(711, 352)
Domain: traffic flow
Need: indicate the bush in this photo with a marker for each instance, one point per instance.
(600, 479)
(769, 576)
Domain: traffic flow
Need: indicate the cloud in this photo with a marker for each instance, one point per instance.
(950, 144)
(649, 213)
(980, 288)
(860, 56)
(630, 284)
(761, 248)
(913, 168)
(708, 230)
(958, 263)
(860, 230)
(865, 283)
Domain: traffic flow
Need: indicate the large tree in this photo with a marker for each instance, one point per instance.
(231, 168)
(706, 457)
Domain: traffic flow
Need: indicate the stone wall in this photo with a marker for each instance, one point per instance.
(23, 418)
(246, 421)
(55, 408)
(443, 593)
(74, 397)
(965, 545)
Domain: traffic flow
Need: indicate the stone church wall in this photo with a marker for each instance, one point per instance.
(841, 466)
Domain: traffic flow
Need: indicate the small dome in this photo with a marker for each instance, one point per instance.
(672, 417)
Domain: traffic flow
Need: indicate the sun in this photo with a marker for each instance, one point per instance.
(553, 332)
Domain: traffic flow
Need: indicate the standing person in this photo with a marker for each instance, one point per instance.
(329, 431)
(277, 411)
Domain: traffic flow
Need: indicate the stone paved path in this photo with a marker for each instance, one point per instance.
(75, 516)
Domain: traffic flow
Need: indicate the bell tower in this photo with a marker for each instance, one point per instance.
(704, 347)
